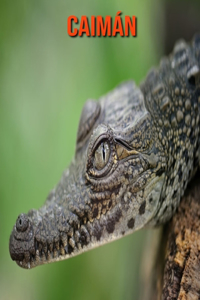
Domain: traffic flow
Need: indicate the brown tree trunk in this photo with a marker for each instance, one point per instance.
(174, 271)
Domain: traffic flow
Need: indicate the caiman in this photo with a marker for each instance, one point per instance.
(137, 148)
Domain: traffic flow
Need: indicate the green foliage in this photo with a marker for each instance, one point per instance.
(45, 78)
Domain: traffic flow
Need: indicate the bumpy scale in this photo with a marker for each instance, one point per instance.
(137, 149)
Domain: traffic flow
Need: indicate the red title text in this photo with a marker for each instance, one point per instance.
(100, 26)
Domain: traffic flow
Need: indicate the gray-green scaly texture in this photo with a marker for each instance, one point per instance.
(137, 148)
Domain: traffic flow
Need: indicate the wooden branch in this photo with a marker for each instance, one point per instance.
(175, 271)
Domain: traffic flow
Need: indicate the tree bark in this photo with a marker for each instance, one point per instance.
(174, 272)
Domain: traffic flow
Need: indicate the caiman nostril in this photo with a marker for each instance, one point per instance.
(22, 223)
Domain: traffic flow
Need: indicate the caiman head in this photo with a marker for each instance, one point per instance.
(112, 187)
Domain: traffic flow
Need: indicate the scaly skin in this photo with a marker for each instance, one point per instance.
(137, 148)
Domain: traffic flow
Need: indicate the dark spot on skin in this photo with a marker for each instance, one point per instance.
(95, 212)
(131, 223)
(160, 172)
(192, 137)
(83, 238)
(185, 154)
(182, 136)
(191, 80)
(142, 208)
(117, 215)
(150, 200)
(174, 194)
(178, 149)
(110, 226)
(110, 204)
(180, 173)
(97, 230)
(173, 164)
(70, 249)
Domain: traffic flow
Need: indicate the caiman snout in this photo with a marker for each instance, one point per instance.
(21, 240)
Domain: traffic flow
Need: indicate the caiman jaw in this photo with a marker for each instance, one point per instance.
(30, 248)
(54, 233)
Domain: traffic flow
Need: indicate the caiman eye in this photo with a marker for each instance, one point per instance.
(101, 156)
(101, 153)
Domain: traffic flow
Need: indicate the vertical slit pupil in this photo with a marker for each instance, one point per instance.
(104, 154)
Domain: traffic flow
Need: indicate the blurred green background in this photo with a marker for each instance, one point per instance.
(45, 78)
